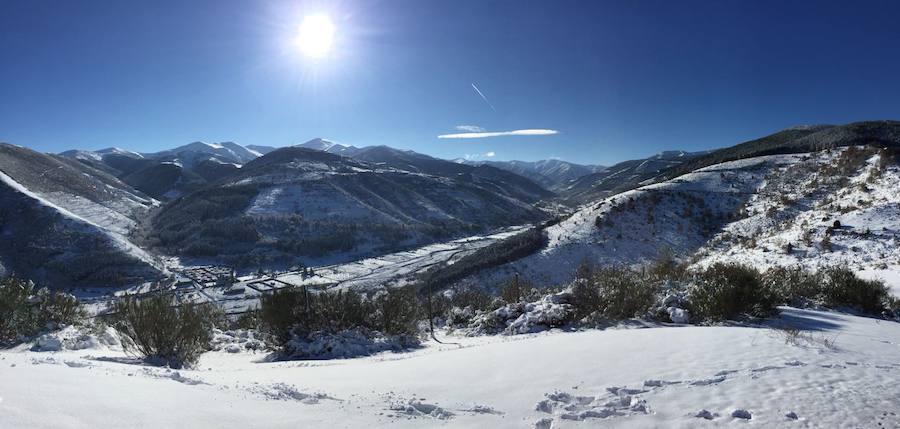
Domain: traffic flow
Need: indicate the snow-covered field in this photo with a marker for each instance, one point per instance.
(840, 371)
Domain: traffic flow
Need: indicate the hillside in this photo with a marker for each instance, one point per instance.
(170, 173)
(300, 205)
(59, 217)
(552, 174)
(744, 211)
(623, 176)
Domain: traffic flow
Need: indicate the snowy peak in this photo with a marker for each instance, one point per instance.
(328, 146)
(225, 151)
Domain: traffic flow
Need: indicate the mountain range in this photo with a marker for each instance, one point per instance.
(321, 202)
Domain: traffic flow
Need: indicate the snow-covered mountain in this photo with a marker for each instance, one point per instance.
(60, 218)
(623, 176)
(552, 174)
(226, 152)
(169, 173)
(297, 204)
(329, 146)
(832, 207)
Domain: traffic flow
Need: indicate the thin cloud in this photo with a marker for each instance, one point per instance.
(470, 128)
(490, 154)
(483, 97)
(481, 135)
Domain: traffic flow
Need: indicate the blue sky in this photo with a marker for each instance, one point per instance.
(616, 80)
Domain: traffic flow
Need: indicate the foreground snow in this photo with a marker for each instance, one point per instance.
(842, 372)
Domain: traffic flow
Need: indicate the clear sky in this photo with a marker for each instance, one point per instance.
(614, 79)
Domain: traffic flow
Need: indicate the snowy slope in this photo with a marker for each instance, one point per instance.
(797, 205)
(81, 243)
(841, 373)
(711, 215)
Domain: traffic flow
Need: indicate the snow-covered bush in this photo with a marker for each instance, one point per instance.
(164, 331)
(730, 291)
(84, 337)
(25, 312)
(236, 340)
(550, 311)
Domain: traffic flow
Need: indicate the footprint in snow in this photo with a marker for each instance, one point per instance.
(544, 423)
(766, 368)
(415, 408)
(741, 414)
(708, 381)
(618, 401)
(659, 383)
(706, 414)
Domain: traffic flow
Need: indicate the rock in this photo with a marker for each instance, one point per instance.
(792, 415)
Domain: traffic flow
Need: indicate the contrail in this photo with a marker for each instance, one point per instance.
(483, 97)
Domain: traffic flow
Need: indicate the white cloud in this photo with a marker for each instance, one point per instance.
(470, 128)
(490, 154)
(481, 135)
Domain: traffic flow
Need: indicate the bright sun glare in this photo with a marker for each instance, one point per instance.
(315, 36)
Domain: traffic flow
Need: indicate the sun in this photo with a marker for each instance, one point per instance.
(315, 36)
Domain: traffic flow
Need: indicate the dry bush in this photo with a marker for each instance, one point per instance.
(164, 331)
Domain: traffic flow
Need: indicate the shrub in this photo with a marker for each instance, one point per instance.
(793, 285)
(514, 290)
(843, 288)
(613, 293)
(291, 312)
(164, 331)
(729, 291)
(17, 317)
(399, 311)
(473, 297)
(25, 313)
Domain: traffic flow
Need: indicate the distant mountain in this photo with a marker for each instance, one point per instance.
(329, 146)
(262, 150)
(624, 176)
(300, 205)
(65, 223)
(169, 173)
(552, 174)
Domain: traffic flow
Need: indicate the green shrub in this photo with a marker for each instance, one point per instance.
(25, 313)
(794, 285)
(164, 331)
(17, 318)
(473, 297)
(729, 291)
(395, 311)
(613, 293)
(842, 288)
(399, 311)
